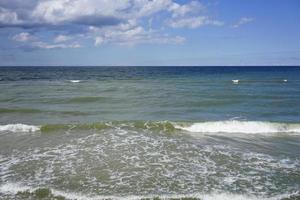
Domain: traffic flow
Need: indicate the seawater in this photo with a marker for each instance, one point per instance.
(150, 133)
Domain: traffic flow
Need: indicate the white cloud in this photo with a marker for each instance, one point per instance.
(30, 41)
(8, 17)
(98, 41)
(242, 21)
(59, 11)
(146, 7)
(189, 16)
(193, 22)
(182, 10)
(43, 45)
(22, 37)
(131, 34)
(106, 21)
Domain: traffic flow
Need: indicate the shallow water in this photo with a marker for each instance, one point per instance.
(149, 132)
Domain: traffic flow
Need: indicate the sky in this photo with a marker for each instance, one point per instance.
(149, 32)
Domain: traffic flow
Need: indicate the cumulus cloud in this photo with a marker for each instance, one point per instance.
(103, 21)
(133, 35)
(242, 21)
(86, 12)
(31, 42)
(8, 18)
(43, 13)
(182, 10)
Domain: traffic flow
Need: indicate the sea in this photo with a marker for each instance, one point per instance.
(130, 133)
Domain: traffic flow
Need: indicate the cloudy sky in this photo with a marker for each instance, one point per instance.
(149, 32)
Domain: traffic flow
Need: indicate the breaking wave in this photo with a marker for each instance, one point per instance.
(19, 128)
(26, 191)
(75, 81)
(247, 127)
(241, 127)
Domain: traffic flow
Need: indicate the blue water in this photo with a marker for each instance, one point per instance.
(145, 132)
(150, 93)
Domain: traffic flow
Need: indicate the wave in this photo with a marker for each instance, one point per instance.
(75, 81)
(160, 126)
(236, 81)
(19, 110)
(247, 127)
(232, 126)
(19, 128)
(26, 191)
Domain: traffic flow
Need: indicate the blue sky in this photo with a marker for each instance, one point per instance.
(149, 32)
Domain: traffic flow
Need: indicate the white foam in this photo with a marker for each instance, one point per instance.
(19, 128)
(235, 81)
(285, 80)
(14, 188)
(75, 81)
(248, 127)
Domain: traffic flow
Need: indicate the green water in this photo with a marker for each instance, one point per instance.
(149, 133)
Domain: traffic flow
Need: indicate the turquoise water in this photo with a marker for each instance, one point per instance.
(146, 132)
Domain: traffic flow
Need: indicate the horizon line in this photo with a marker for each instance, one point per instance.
(149, 65)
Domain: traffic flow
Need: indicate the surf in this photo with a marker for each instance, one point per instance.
(17, 189)
(23, 128)
(206, 127)
(245, 127)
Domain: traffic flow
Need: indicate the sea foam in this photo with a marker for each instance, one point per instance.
(14, 188)
(230, 126)
(236, 81)
(248, 127)
(75, 81)
(19, 128)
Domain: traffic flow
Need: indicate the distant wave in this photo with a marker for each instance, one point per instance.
(19, 110)
(18, 189)
(235, 81)
(75, 81)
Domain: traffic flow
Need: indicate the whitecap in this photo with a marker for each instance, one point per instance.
(235, 81)
(19, 128)
(14, 188)
(247, 127)
(75, 81)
